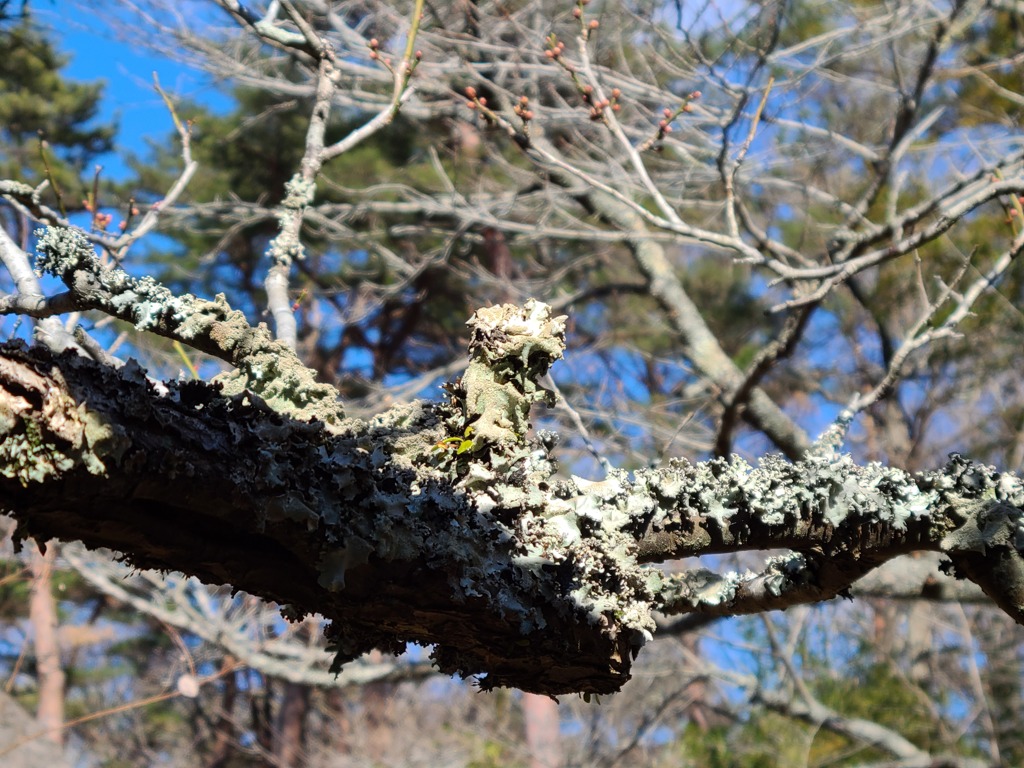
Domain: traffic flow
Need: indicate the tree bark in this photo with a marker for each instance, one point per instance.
(543, 738)
(442, 524)
(290, 729)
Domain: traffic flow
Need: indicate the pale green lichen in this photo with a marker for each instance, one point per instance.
(262, 365)
(67, 254)
(509, 528)
(777, 493)
(61, 250)
(511, 349)
(700, 589)
(105, 440)
(287, 247)
(784, 571)
(47, 433)
(29, 457)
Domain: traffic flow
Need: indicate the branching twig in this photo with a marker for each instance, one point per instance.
(919, 335)
(120, 246)
(779, 349)
(29, 299)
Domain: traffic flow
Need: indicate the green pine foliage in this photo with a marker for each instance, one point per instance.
(38, 103)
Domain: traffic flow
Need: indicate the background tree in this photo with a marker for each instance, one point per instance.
(841, 168)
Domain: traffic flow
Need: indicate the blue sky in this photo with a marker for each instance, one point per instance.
(127, 70)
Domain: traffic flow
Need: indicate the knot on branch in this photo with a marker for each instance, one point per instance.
(511, 348)
(987, 549)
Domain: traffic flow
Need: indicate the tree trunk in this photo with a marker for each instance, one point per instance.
(289, 733)
(50, 676)
(541, 722)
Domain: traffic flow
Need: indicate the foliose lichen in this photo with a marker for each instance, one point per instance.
(262, 364)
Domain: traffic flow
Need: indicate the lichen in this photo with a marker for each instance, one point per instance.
(492, 516)
(27, 456)
(44, 431)
(510, 350)
(287, 247)
(263, 365)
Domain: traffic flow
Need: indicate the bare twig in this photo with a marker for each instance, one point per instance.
(920, 335)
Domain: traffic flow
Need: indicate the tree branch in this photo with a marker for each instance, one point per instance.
(442, 525)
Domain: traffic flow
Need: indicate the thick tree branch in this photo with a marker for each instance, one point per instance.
(441, 524)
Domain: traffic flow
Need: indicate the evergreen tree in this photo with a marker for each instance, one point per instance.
(48, 124)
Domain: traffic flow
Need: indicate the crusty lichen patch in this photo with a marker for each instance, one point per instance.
(553, 533)
(511, 348)
(44, 432)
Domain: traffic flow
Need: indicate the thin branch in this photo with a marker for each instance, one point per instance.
(920, 335)
(401, 93)
(189, 167)
(766, 359)
(290, 662)
(29, 299)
